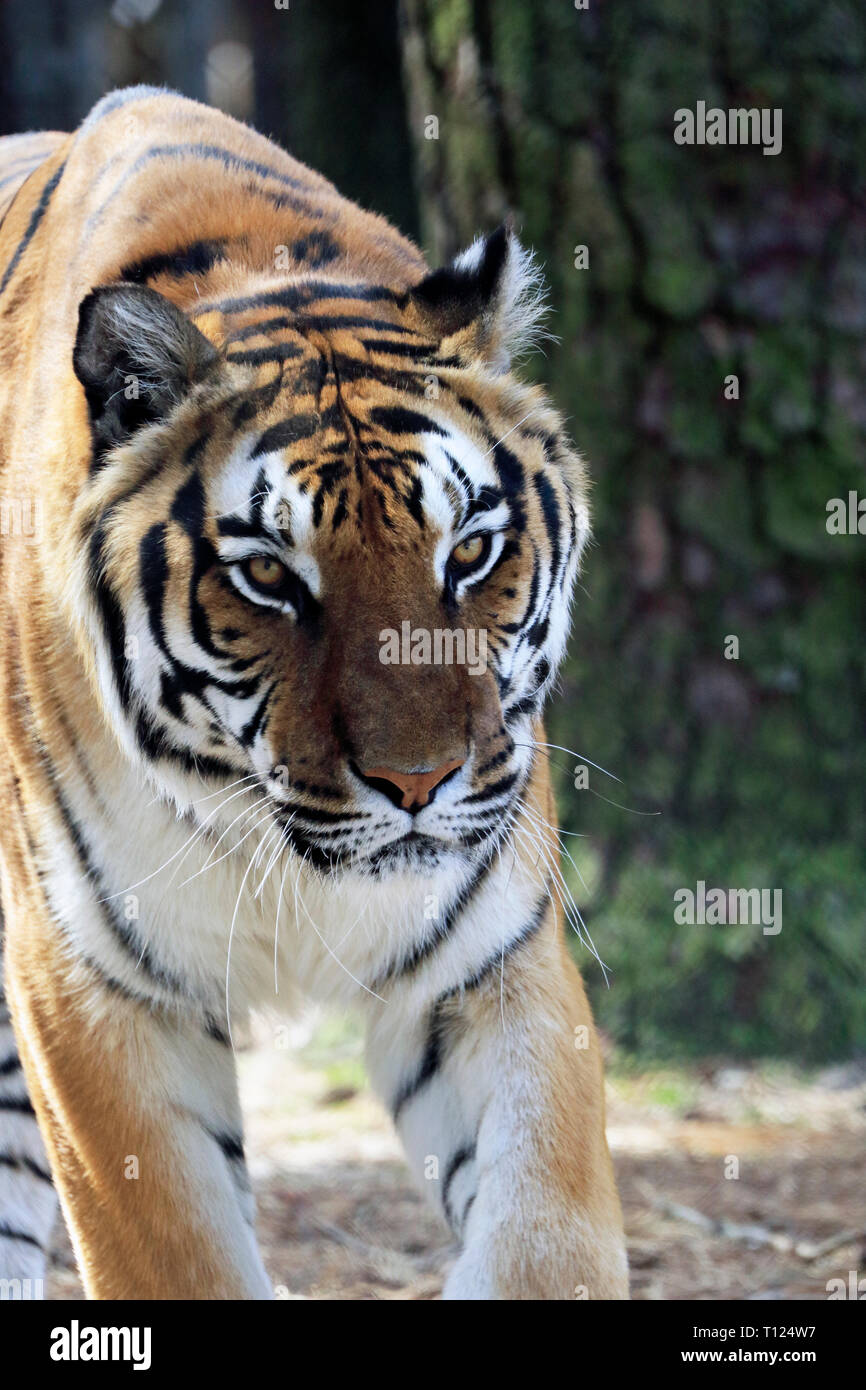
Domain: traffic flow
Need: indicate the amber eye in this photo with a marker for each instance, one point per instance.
(265, 571)
(470, 551)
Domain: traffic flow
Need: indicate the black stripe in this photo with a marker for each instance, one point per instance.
(291, 431)
(231, 1145)
(436, 1035)
(40, 877)
(229, 160)
(232, 163)
(322, 817)
(512, 479)
(438, 1025)
(195, 259)
(527, 705)
(17, 1105)
(407, 964)
(8, 1233)
(156, 744)
(188, 510)
(27, 1164)
(495, 789)
(10, 1064)
(32, 227)
(497, 760)
(418, 352)
(274, 352)
(341, 511)
(253, 726)
(398, 420)
(213, 1030)
(299, 296)
(459, 472)
(183, 679)
(107, 981)
(552, 520)
(235, 526)
(110, 612)
(122, 97)
(121, 930)
(464, 1155)
(325, 323)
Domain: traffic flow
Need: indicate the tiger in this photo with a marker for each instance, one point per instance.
(257, 459)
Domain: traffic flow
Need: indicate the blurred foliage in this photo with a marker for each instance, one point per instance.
(709, 513)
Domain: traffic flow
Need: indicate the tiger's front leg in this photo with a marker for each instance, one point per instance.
(139, 1112)
(499, 1100)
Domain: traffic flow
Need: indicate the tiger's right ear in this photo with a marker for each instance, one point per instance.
(490, 302)
(136, 355)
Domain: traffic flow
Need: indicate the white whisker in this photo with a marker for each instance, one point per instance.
(580, 756)
(247, 872)
(359, 983)
(534, 411)
(185, 846)
(210, 862)
(280, 901)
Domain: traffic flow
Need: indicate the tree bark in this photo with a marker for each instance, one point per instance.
(701, 264)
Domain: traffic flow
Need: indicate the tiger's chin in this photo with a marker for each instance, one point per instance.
(412, 854)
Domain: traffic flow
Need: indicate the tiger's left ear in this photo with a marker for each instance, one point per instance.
(136, 355)
(491, 300)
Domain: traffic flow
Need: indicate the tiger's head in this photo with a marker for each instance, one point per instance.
(327, 545)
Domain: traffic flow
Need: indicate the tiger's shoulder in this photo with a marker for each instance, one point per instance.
(156, 187)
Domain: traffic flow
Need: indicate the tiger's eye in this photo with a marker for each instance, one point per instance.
(468, 552)
(265, 571)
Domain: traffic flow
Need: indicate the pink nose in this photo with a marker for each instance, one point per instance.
(413, 788)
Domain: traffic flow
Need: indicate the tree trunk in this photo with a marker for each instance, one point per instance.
(700, 264)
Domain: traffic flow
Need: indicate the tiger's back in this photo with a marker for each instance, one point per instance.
(21, 156)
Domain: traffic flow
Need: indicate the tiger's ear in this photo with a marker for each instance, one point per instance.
(491, 299)
(136, 354)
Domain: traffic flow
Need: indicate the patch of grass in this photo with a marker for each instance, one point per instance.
(337, 1043)
(348, 1072)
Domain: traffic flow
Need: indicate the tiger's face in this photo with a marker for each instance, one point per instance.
(330, 559)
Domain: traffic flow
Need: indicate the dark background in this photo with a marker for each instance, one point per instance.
(709, 513)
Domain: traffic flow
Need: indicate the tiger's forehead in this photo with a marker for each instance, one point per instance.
(390, 460)
(292, 480)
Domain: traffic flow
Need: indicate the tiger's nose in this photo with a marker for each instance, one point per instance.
(410, 790)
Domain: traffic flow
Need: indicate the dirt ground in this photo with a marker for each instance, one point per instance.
(743, 1183)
